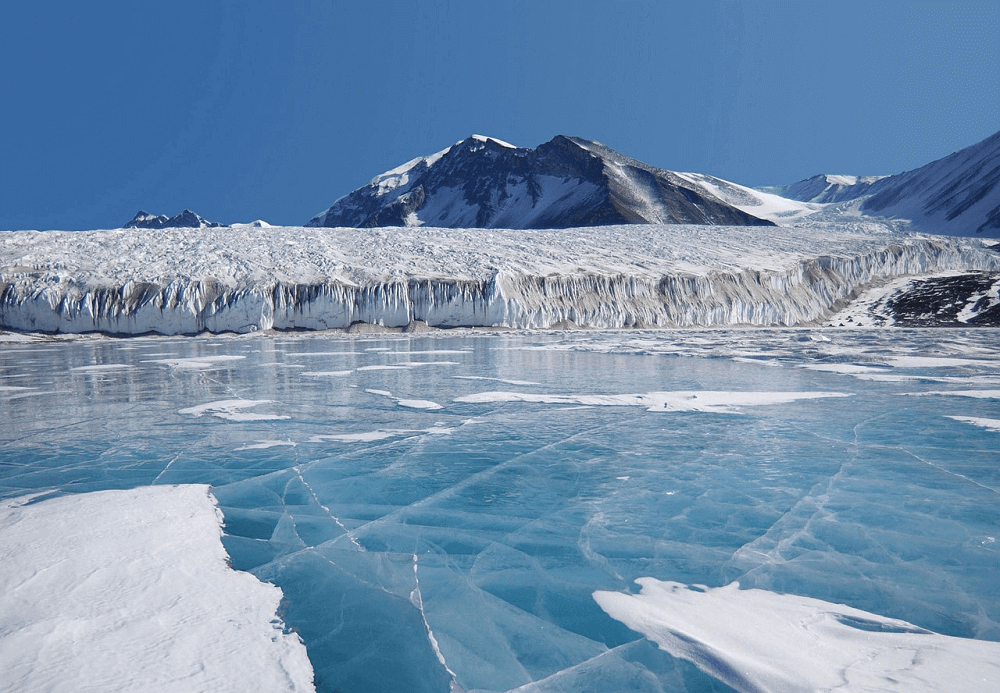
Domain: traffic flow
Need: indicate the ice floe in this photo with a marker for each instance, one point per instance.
(232, 410)
(198, 363)
(130, 590)
(755, 640)
(991, 424)
(406, 402)
(695, 401)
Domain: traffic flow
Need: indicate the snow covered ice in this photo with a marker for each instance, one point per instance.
(189, 281)
(128, 590)
(459, 511)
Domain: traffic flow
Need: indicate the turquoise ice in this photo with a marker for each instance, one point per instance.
(439, 510)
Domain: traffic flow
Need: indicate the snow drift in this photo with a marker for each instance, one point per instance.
(126, 590)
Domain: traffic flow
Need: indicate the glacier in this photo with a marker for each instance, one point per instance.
(246, 279)
(466, 511)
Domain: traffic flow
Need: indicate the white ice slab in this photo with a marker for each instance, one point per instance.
(755, 641)
(975, 394)
(101, 368)
(701, 400)
(992, 424)
(200, 363)
(406, 402)
(265, 444)
(232, 410)
(130, 591)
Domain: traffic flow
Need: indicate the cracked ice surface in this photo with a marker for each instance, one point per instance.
(459, 546)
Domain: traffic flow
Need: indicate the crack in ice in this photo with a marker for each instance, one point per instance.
(418, 602)
(347, 532)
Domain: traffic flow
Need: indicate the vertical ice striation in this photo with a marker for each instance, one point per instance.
(314, 279)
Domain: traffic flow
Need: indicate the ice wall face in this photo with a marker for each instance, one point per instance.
(239, 281)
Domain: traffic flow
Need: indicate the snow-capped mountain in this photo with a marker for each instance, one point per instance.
(482, 182)
(958, 195)
(185, 220)
(826, 188)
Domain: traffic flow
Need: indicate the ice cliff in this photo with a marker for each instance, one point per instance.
(188, 281)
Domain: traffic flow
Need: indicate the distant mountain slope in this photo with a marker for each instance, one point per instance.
(184, 220)
(826, 188)
(483, 182)
(958, 195)
(764, 205)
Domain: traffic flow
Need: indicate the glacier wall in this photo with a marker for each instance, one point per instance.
(804, 291)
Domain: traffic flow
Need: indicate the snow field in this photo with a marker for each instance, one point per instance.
(130, 590)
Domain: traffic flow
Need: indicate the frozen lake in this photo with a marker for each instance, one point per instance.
(439, 510)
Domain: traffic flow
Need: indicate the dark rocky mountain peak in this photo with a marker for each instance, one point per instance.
(483, 182)
(186, 219)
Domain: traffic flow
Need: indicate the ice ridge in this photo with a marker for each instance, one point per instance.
(802, 291)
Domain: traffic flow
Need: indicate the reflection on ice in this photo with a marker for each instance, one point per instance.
(337, 478)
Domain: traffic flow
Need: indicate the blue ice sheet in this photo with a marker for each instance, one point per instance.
(424, 543)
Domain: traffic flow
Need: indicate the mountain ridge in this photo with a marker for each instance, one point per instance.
(185, 220)
(825, 188)
(482, 182)
(957, 195)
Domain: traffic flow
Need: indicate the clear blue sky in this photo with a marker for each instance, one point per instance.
(273, 110)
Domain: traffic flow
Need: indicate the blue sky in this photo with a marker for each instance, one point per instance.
(247, 110)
